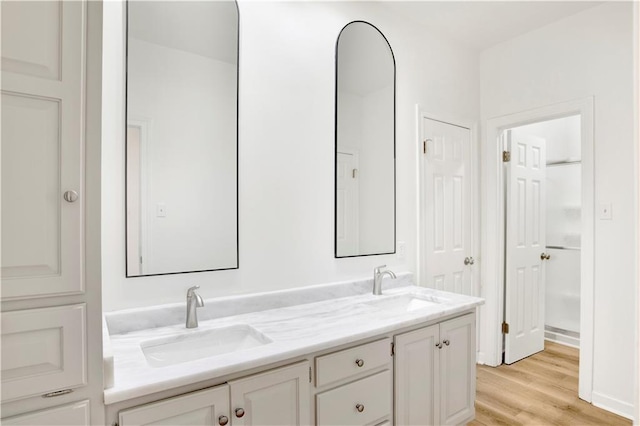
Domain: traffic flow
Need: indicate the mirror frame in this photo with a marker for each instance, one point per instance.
(126, 103)
(335, 163)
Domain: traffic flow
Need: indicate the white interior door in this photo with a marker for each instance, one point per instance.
(347, 205)
(446, 208)
(525, 234)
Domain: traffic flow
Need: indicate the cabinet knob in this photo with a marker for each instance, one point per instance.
(239, 412)
(439, 345)
(446, 342)
(360, 408)
(223, 420)
(545, 256)
(359, 362)
(469, 261)
(70, 196)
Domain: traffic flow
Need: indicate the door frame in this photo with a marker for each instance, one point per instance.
(493, 232)
(475, 190)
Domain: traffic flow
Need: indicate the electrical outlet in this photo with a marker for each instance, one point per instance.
(161, 210)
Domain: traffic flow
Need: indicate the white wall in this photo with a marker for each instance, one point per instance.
(588, 54)
(286, 150)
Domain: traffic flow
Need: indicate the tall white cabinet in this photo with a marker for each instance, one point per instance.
(50, 289)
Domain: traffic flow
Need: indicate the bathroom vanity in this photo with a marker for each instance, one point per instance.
(404, 357)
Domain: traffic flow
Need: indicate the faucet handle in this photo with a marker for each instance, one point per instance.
(379, 269)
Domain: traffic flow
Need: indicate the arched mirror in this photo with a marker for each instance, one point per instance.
(365, 143)
(181, 136)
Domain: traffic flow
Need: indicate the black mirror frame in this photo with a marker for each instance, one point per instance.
(335, 164)
(126, 94)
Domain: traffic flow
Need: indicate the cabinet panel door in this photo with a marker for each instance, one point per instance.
(76, 414)
(277, 397)
(43, 350)
(457, 370)
(416, 377)
(197, 408)
(42, 140)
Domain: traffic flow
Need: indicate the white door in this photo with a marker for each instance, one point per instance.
(525, 245)
(347, 205)
(277, 397)
(447, 259)
(42, 140)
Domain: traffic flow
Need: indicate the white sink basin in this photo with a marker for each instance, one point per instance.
(403, 303)
(194, 345)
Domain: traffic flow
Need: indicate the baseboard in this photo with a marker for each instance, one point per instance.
(616, 406)
(480, 358)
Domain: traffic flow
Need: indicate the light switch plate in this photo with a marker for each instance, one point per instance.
(161, 210)
(401, 250)
(604, 212)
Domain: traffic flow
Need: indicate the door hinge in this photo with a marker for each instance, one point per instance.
(505, 328)
(309, 374)
(354, 173)
(506, 156)
(424, 146)
(393, 349)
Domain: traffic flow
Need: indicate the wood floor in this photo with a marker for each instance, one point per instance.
(539, 390)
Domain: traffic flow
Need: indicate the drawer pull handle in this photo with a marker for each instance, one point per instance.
(223, 420)
(359, 362)
(239, 412)
(360, 408)
(446, 342)
(57, 393)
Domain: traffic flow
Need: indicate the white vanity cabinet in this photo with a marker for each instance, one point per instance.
(276, 397)
(435, 373)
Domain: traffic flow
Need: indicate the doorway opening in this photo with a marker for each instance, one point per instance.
(493, 234)
(542, 192)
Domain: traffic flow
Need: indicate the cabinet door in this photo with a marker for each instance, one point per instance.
(416, 377)
(277, 397)
(209, 407)
(457, 370)
(42, 140)
(76, 414)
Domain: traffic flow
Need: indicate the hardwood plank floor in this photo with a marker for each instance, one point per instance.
(539, 390)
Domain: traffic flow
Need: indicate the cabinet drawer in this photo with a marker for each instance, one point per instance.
(43, 350)
(340, 406)
(76, 414)
(349, 362)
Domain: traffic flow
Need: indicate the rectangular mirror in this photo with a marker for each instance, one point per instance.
(365, 143)
(181, 137)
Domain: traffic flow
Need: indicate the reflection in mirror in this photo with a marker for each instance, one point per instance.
(365, 142)
(181, 149)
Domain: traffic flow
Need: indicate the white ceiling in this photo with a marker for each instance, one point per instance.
(482, 24)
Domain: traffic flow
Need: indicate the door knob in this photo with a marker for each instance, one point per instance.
(545, 256)
(70, 196)
(469, 261)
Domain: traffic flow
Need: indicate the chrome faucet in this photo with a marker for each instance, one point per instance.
(378, 274)
(193, 301)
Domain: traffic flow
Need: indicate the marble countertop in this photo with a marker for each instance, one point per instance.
(295, 330)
